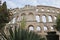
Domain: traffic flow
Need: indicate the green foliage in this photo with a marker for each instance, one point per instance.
(20, 34)
(4, 15)
(58, 23)
(23, 23)
(4, 18)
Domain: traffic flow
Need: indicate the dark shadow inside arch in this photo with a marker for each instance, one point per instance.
(52, 36)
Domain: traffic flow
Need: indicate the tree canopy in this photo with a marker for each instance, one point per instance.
(4, 15)
(58, 23)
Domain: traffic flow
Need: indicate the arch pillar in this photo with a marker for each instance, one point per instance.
(49, 29)
(46, 18)
(40, 18)
(53, 19)
(42, 29)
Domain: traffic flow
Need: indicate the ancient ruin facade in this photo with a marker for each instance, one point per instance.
(40, 19)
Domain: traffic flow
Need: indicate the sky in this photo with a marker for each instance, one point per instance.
(22, 3)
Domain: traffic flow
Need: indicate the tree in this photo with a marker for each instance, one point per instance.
(4, 15)
(58, 23)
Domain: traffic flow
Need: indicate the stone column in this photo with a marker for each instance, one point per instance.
(40, 18)
(46, 18)
(53, 19)
(42, 29)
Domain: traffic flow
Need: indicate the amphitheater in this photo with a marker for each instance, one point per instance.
(40, 18)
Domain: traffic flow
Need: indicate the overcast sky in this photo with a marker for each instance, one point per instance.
(21, 3)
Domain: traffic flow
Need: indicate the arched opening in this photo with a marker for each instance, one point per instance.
(38, 28)
(44, 18)
(51, 28)
(42, 9)
(36, 10)
(30, 16)
(31, 27)
(30, 13)
(48, 10)
(57, 11)
(50, 18)
(23, 15)
(38, 18)
(45, 28)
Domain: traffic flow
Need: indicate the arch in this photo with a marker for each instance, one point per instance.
(37, 10)
(42, 9)
(30, 16)
(48, 10)
(45, 28)
(23, 14)
(31, 27)
(51, 28)
(57, 11)
(37, 18)
(44, 18)
(49, 18)
(38, 28)
(30, 13)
